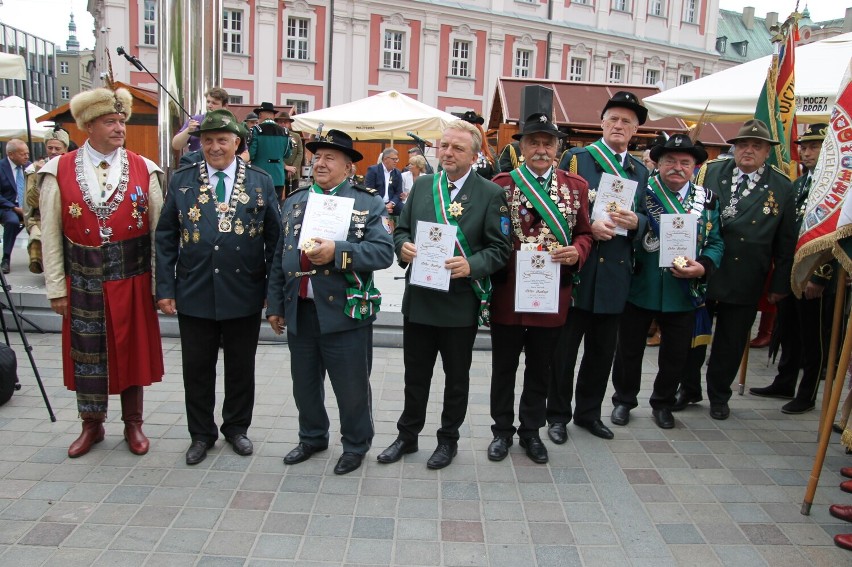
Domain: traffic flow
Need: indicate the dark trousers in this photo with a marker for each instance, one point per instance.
(676, 342)
(11, 227)
(200, 339)
(347, 358)
(421, 345)
(805, 327)
(599, 333)
(507, 342)
(733, 329)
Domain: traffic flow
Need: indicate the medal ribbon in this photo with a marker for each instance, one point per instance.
(541, 202)
(363, 299)
(482, 286)
(606, 159)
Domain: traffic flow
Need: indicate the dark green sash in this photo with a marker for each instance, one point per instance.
(540, 199)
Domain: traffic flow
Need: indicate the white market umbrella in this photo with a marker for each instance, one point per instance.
(13, 120)
(12, 67)
(732, 94)
(387, 115)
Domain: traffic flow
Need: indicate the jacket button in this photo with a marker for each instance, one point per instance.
(601, 260)
(216, 271)
(216, 247)
(238, 248)
(326, 272)
(238, 270)
(289, 247)
(736, 259)
(331, 298)
(289, 274)
(742, 239)
(754, 222)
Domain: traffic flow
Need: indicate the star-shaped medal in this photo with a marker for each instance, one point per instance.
(194, 213)
(203, 198)
(75, 210)
(455, 209)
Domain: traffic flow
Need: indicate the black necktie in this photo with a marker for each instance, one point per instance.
(541, 180)
(743, 184)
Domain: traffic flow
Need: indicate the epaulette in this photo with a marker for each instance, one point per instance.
(779, 170)
(699, 177)
(369, 190)
(297, 190)
(187, 166)
(257, 169)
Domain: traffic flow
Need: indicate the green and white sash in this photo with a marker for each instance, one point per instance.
(481, 286)
(608, 161)
(363, 299)
(538, 196)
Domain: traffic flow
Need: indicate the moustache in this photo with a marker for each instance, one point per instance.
(540, 157)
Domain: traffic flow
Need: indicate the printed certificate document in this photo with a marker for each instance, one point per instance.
(435, 245)
(536, 282)
(326, 216)
(678, 235)
(613, 193)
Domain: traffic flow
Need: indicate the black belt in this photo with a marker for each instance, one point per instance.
(274, 160)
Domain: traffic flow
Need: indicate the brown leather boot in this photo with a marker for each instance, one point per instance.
(131, 414)
(764, 331)
(93, 432)
(34, 249)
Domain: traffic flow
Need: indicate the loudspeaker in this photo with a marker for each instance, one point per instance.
(535, 98)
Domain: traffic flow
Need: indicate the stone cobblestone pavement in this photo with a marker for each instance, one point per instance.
(705, 493)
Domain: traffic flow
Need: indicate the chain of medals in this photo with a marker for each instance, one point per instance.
(730, 211)
(226, 211)
(545, 239)
(105, 210)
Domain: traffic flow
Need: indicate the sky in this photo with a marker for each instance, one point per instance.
(49, 18)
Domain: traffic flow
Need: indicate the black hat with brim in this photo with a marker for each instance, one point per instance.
(679, 143)
(539, 123)
(626, 99)
(265, 107)
(336, 140)
(220, 120)
(754, 129)
(813, 133)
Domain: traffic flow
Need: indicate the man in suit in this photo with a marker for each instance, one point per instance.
(604, 279)
(549, 212)
(670, 295)
(805, 323)
(270, 146)
(215, 241)
(446, 322)
(293, 163)
(386, 179)
(323, 292)
(99, 207)
(759, 229)
(12, 184)
(56, 144)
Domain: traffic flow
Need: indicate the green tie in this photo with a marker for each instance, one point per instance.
(220, 186)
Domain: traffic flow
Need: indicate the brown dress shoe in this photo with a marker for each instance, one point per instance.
(841, 511)
(93, 432)
(844, 541)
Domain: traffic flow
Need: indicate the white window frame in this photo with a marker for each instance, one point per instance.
(300, 43)
(518, 69)
(296, 103)
(617, 70)
(461, 65)
(229, 34)
(582, 2)
(685, 78)
(572, 72)
(65, 93)
(621, 5)
(148, 26)
(235, 98)
(652, 74)
(64, 68)
(657, 8)
(393, 55)
(690, 11)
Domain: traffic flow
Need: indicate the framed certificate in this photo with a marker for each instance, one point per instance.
(326, 216)
(613, 194)
(536, 282)
(435, 245)
(678, 234)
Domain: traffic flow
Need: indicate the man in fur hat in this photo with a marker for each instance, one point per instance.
(56, 143)
(99, 208)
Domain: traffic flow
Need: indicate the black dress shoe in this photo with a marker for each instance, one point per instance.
(4, 266)
(197, 452)
(797, 406)
(442, 456)
(596, 428)
(620, 415)
(396, 450)
(536, 450)
(663, 418)
(558, 433)
(301, 453)
(720, 411)
(683, 399)
(773, 391)
(241, 444)
(499, 448)
(348, 462)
